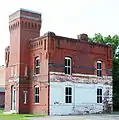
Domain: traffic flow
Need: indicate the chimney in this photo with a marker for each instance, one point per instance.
(83, 37)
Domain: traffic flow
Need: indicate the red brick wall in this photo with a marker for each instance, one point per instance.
(21, 31)
(42, 79)
(83, 54)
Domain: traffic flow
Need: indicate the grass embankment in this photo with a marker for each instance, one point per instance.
(17, 116)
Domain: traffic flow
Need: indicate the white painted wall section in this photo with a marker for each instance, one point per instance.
(84, 98)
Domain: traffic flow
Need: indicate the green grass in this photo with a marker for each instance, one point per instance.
(17, 116)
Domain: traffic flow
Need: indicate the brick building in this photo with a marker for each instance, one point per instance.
(2, 86)
(52, 74)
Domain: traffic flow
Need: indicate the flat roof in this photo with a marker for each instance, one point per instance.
(27, 10)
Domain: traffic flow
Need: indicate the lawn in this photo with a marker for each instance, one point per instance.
(17, 116)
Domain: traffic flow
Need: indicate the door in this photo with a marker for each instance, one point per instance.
(13, 100)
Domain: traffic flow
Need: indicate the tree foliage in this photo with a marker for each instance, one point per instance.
(114, 40)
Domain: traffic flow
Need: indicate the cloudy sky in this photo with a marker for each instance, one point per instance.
(64, 17)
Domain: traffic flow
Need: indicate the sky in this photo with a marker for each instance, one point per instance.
(64, 17)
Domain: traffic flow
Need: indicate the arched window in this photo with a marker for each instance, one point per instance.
(37, 65)
(36, 94)
(68, 65)
(99, 68)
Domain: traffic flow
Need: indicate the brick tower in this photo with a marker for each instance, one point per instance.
(23, 25)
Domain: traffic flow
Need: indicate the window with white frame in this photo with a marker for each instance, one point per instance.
(37, 65)
(36, 95)
(67, 65)
(68, 95)
(99, 95)
(99, 68)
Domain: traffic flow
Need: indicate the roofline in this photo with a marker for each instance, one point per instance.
(31, 11)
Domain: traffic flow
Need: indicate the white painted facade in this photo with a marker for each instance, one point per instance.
(84, 95)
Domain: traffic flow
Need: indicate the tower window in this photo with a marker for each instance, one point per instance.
(37, 65)
(67, 65)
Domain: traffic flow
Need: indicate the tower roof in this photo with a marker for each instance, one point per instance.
(25, 13)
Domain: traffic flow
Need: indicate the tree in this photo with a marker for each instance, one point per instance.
(114, 40)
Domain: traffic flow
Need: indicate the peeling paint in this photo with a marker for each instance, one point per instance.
(84, 95)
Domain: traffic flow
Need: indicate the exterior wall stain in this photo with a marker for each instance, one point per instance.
(81, 79)
(84, 98)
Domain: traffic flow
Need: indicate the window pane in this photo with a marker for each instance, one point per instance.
(65, 62)
(66, 70)
(69, 70)
(37, 62)
(100, 91)
(99, 66)
(66, 91)
(70, 99)
(69, 64)
(70, 91)
(37, 90)
(99, 73)
(36, 99)
(98, 100)
(66, 99)
(37, 70)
